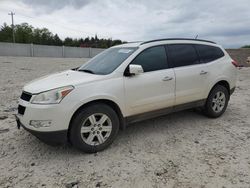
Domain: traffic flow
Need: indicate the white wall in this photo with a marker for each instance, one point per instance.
(33, 50)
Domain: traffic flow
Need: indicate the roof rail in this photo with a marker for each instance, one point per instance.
(157, 40)
(131, 42)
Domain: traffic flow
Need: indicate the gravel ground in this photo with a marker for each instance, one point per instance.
(183, 149)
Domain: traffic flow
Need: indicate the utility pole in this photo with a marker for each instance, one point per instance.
(13, 29)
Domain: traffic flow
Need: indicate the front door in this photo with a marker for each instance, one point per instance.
(155, 88)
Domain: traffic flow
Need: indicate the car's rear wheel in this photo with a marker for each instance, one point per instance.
(217, 102)
(94, 128)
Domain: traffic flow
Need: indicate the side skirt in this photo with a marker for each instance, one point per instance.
(161, 112)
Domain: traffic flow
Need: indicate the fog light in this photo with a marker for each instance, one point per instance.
(40, 123)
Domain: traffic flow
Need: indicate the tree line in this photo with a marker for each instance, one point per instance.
(25, 33)
(246, 46)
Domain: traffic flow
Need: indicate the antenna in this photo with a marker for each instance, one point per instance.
(196, 36)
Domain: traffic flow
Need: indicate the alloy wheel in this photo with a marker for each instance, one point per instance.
(96, 129)
(218, 102)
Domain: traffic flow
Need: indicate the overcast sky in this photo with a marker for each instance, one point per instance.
(226, 21)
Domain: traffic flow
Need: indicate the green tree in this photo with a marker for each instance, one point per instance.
(68, 41)
(5, 33)
(57, 41)
(116, 42)
(25, 33)
(246, 46)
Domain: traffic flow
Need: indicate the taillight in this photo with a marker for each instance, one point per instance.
(235, 63)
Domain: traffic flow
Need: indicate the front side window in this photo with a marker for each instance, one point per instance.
(107, 61)
(183, 55)
(152, 59)
(208, 53)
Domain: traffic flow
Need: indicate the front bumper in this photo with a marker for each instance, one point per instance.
(52, 138)
(58, 114)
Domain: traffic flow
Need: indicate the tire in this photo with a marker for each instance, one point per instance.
(217, 102)
(94, 128)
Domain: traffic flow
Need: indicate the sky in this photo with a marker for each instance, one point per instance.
(226, 22)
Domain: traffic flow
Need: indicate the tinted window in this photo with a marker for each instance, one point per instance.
(183, 55)
(152, 59)
(209, 53)
(107, 61)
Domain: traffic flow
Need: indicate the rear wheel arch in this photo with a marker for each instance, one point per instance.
(110, 103)
(223, 83)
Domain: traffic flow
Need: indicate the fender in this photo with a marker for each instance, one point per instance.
(99, 97)
(222, 78)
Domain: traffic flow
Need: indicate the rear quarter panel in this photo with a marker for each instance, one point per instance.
(219, 70)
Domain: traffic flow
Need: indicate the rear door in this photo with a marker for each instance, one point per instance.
(212, 57)
(191, 75)
(154, 88)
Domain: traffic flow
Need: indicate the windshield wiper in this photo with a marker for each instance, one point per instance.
(86, 70)
(75, 69)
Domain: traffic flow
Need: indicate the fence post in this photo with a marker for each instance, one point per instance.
(63, 51)
(90, 52)
(31, 50)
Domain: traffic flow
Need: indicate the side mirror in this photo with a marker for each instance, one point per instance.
(135, 69)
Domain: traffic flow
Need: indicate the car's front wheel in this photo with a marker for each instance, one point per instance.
(217, 102)
(94, 128)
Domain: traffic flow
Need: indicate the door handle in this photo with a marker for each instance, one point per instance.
(203, 72)
(167, 78)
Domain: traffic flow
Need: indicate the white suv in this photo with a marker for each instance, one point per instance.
(127, 83)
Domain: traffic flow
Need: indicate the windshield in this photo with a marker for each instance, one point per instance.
(107, 61)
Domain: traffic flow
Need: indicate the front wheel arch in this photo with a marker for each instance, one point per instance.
(110, 103)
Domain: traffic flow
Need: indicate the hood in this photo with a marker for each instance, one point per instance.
(60, 79)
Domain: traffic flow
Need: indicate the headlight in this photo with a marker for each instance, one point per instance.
(53, 96)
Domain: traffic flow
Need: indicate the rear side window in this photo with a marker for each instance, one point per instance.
(183, 55)
(208, 53)
(152, 59)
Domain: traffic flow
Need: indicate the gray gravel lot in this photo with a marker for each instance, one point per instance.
(183, 149)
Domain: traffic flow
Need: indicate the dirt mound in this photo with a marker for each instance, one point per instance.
(241, 55)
